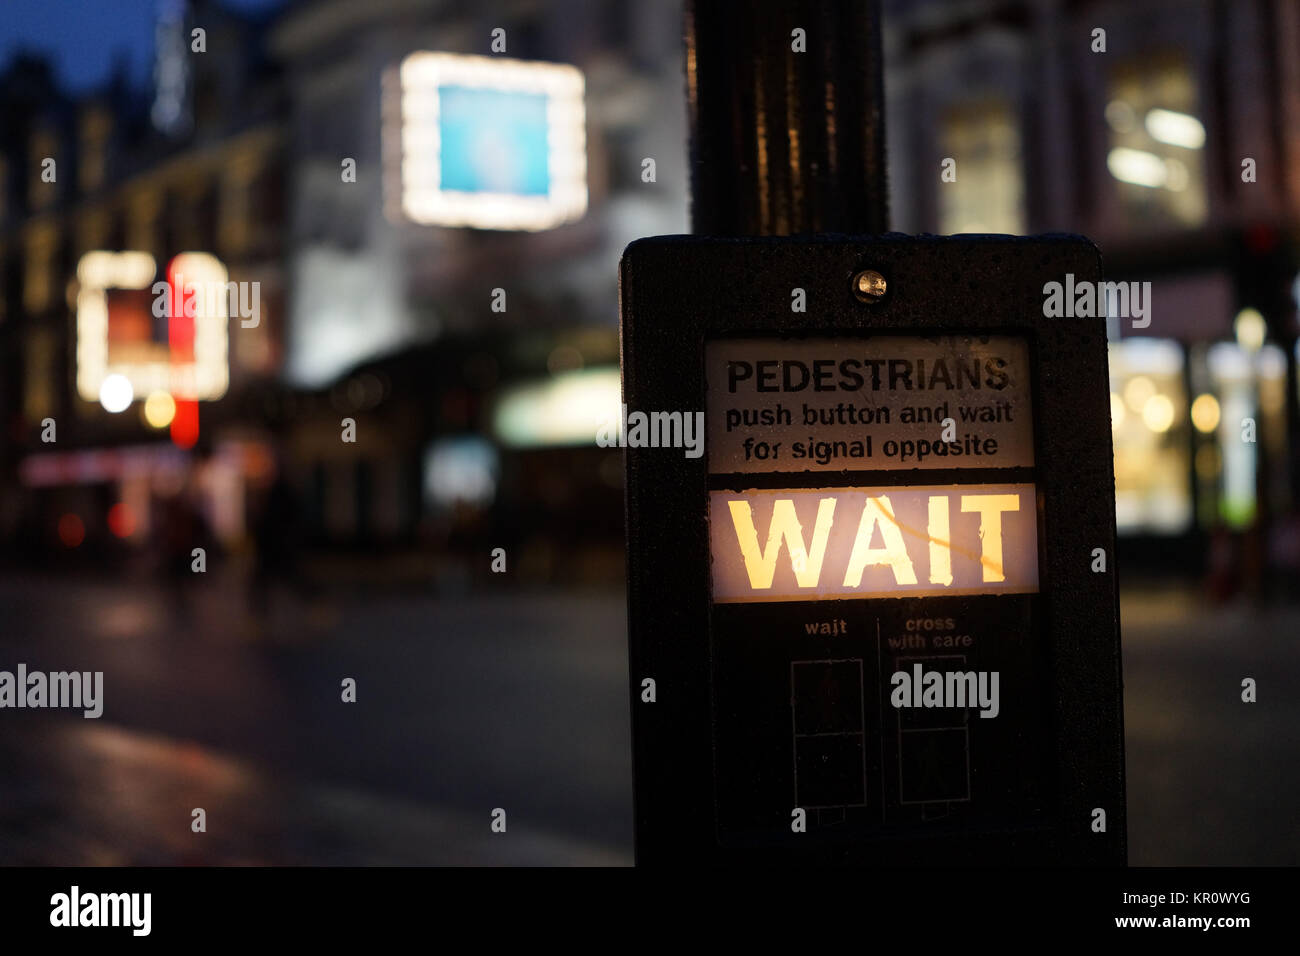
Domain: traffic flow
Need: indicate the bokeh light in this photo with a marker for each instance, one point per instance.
(1205, 413)
(71, 530)
(159, 409)
(1158, 413)
(121, 521)
(116, 393)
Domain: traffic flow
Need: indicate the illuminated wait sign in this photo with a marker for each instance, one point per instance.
(813, 544)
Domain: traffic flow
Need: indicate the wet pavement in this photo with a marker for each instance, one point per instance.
(463, 706)
(470, 703)
(96, 795)
(1211, 780)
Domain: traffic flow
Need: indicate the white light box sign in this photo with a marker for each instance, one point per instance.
(485, 142)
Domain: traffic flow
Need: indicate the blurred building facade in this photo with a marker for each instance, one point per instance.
(1165, 131)
(475, 365)
(190, 166)
(454, 348)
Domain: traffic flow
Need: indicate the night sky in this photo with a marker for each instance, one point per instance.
(83, 36)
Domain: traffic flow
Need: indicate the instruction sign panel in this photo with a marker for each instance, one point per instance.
(868, 404)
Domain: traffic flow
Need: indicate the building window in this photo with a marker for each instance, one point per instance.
(235, 231)
(41, 375)
(42, 146)
(95, 128)
(38, 278)
(93, 230)
(1157, 155)
(142, 225)
(986, 195)
(1149, 420)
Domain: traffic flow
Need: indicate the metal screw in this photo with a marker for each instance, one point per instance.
(869, 285)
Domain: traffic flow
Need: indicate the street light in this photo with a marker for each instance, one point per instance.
(116, 393)
(1250, 330)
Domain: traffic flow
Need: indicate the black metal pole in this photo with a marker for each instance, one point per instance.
(786, 140)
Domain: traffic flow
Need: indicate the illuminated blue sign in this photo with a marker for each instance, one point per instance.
(485, 142)
(493, 141)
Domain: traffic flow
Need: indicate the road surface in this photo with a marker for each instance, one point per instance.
(471, 703)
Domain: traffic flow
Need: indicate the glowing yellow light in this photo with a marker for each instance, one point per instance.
(815, 544)
(122, 270)
(1250, 329)
(1205, 413)
(1117, 412)
(1158, 413)
(1138, 391)
(1137, 166)
(1176, 129)
(159, 409)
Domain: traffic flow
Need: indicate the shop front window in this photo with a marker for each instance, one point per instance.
(1247, 386)
(1230, 371)
(1149, 419)
(1270, 366)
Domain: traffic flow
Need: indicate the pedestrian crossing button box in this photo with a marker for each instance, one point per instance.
(869, 605)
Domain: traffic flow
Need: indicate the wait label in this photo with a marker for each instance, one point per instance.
(814, 544)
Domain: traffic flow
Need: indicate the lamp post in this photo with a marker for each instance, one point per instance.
(786, 107)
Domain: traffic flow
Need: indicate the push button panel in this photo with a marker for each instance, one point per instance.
(874, 549)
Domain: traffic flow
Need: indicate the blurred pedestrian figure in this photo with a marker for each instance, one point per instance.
(1222, 571)
(183, 528)
(1284, 558)
(277, 531)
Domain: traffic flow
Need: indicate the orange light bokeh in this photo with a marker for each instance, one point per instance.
(71, 530)
(121, 521)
